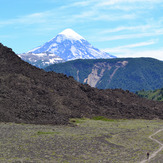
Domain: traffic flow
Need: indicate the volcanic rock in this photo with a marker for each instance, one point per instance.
(31, 95)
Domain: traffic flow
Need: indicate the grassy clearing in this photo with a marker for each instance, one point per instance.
(89, 140)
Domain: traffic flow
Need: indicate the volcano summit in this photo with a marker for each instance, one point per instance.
(67, 45)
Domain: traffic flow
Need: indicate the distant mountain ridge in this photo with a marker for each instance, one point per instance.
(131, 74)
(67, 45)
(31, 95)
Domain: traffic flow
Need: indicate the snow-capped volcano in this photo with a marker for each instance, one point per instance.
(70, 34)
(69, 45)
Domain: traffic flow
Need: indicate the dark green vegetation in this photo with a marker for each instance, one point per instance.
(31, 95)
(152, 95)
(101, 118)
(131, 74)
(85, 141)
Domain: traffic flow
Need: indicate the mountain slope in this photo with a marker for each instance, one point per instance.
(127, 73)
(41, 59)
(152, 95)
(68, 45)
(31, 95)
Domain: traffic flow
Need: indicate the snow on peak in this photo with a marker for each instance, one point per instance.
(70, 34)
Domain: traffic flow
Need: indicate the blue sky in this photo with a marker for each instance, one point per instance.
(125, 28)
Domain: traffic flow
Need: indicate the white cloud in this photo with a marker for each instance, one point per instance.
(127, 28)
(125, 53)
(78, 4)
(105, 10)
(157, 32)
(33, 18)
(126, 5)
(115, 17)
(89, 10)
(113, 2)
(151, 42)
(83, 15)
(158, 54)
(27, 19)
(126, 48)
(132, 50)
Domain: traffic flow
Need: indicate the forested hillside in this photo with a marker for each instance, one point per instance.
(153, 95)
(131, 74)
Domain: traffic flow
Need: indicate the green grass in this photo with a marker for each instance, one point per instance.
(77, 120)
(46, 133)
(101, 118)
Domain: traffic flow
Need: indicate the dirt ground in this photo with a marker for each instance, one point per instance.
(84, 141)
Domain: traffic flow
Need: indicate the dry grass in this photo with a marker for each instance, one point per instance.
(86, 140)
